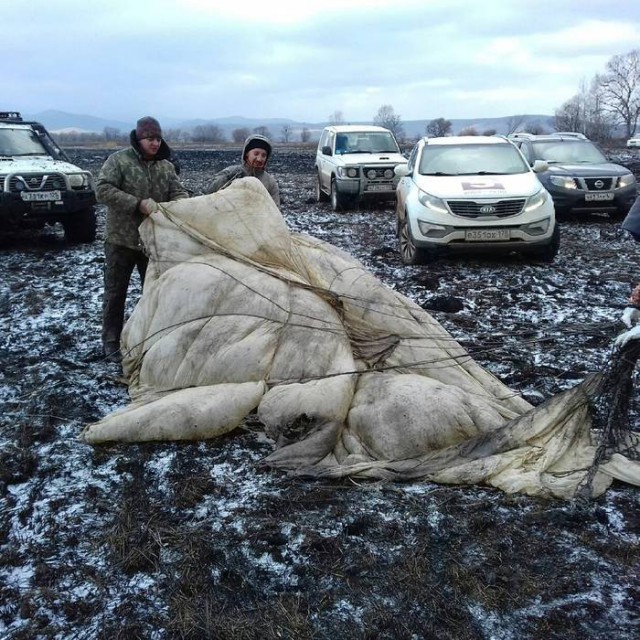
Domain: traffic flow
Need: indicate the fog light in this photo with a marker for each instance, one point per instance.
(429, 230)
(538, 228)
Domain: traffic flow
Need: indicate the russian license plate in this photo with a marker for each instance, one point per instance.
(487, 235)
(598, 197)
(40, 196)
(378, 187)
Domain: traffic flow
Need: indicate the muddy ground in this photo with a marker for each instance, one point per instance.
(200, 541)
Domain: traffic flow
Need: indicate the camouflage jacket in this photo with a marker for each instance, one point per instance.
(225, 177)
(124, 180)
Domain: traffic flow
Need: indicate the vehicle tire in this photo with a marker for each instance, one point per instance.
(339, 201)
(321, 196)
(409, 253)
(549, 251)
(80, 227)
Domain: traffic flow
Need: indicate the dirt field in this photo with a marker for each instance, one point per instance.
(200, 541)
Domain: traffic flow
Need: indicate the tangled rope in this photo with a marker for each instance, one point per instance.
(609, 407)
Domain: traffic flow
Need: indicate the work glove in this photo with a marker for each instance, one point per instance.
(630, 316)
(623, 338)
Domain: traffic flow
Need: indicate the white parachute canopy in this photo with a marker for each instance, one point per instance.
(239, 315)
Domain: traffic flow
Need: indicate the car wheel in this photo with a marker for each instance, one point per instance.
(338, 200)
(409, 253)
(549, 251)
(81, 226)
(321, 196)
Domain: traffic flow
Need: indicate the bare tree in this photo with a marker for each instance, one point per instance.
(241, 134)
(536, 128)
(585, 114)
(172, 135)
(208, 133)
(620, 90)
(111, 134)
(386, 117)
(438, 128)
(336, 118)
(262, 131)
(514, 123)
(285, 133)
(570, 116)
(468, 131)
(305, 134)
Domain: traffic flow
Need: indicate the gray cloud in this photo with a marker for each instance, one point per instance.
(427, 59)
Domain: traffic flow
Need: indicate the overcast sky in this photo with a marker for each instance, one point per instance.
(306, 59)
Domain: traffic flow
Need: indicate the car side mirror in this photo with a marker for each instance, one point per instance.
(401, 170)
(326, 151)
(539, 166)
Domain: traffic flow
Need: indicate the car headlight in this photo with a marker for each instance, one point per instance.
(564, 181)
(77, 180)
(348, 172)
(536, 201)
(432, 203)
(626, 180)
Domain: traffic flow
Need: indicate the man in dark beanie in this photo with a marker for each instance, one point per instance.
(127, 183)
(255, 155)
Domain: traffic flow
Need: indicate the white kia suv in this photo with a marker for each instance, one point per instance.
(465, 193)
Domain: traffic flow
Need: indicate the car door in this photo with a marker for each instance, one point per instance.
(404, 184)
(325, 162)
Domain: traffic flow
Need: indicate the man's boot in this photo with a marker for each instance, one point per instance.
(112, 352)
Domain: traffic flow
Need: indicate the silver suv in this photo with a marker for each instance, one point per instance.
(354, 162)
(38, 183)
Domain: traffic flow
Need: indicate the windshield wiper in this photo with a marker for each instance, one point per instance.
(439, 173)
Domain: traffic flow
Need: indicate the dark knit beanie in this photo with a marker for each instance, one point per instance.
(258, 143)
(148, 127)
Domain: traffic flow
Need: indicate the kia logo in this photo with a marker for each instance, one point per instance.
(598, 184)
(487, 208)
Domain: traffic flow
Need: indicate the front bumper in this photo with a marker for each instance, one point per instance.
(14, 211)
(576, 200)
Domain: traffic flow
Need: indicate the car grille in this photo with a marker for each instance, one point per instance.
(37, 182)
(499, 209)
(599, 184)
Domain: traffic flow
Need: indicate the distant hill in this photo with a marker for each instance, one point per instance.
(57, 121)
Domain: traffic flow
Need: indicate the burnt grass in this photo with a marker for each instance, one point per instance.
(200, 540)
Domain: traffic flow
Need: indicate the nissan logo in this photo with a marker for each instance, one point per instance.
(487, 208)
(598, 184)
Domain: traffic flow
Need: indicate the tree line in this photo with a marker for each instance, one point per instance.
(201, 134)
(610, 102)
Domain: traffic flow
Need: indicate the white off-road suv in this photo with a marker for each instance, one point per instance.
(38, 183)
(354, 162)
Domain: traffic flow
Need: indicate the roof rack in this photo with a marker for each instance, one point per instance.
(570, 134)
(13, 116)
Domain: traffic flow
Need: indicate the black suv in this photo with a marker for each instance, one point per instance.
(580, 179)
(38, 183)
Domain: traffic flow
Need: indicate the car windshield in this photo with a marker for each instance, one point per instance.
(568, 152)
(471, 159)
(366, 142)
(20, 142)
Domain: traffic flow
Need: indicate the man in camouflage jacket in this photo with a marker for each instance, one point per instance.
(127, 181)
(256, 152)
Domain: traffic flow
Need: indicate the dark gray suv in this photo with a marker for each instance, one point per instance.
(580, 179)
